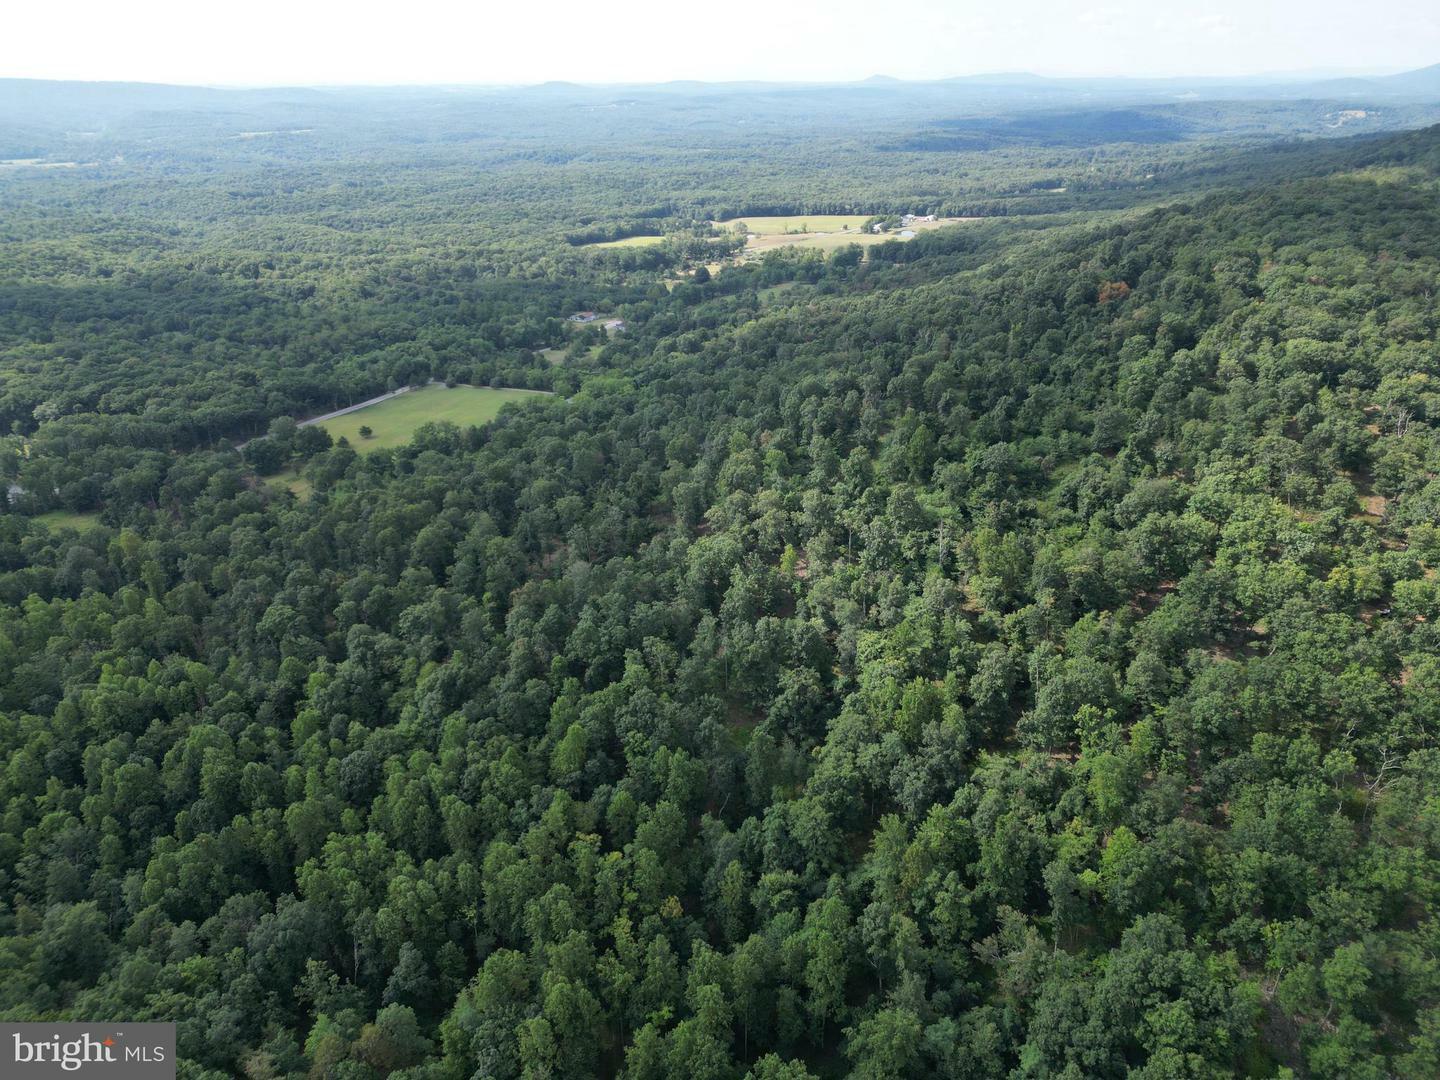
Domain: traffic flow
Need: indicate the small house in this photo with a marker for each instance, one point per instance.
(583, 317)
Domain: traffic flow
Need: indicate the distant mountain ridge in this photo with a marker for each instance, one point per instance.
(87, 121)
(1423, 82)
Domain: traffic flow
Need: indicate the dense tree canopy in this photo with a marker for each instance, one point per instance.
(1012, 654)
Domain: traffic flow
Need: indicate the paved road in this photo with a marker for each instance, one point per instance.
(338, 412)
(352, 408)
(375, 401)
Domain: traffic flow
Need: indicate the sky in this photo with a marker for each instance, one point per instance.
(320, 42)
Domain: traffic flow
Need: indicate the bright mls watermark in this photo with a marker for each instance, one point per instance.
(113, 1051)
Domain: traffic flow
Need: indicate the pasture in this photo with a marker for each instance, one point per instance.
(831, 241)
(393, 421)
(629, 241)
(803, 223)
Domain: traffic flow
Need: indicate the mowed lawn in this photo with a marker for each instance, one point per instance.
(394, 421)
(815, 223)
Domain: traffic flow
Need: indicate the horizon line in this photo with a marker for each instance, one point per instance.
(1273, 76)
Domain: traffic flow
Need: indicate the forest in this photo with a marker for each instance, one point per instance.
(1013, 652)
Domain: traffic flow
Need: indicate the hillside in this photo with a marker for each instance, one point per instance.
(1012, 653)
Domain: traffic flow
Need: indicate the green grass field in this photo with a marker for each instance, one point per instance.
(761, 242)
(556, 357)
(55, 520)
(629, 241)
(825, 241)
(815, 223)
(394, 421)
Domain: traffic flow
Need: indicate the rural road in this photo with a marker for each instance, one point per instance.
(375, 401)
(337, 412)
(352, 408)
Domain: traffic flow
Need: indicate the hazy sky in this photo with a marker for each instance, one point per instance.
(485, 41)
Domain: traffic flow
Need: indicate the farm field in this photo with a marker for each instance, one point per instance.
(629, 241)
(394, 420)
(822, 241)
(803, 223)
(761, 241)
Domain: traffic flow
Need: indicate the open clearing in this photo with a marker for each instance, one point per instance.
(556, 357)
(394, 420)
(55, 520)
(39, 163)
(827, 233)
(811, 223)
(629, 241)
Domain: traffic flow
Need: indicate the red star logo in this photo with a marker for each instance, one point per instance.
(109, 1042)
